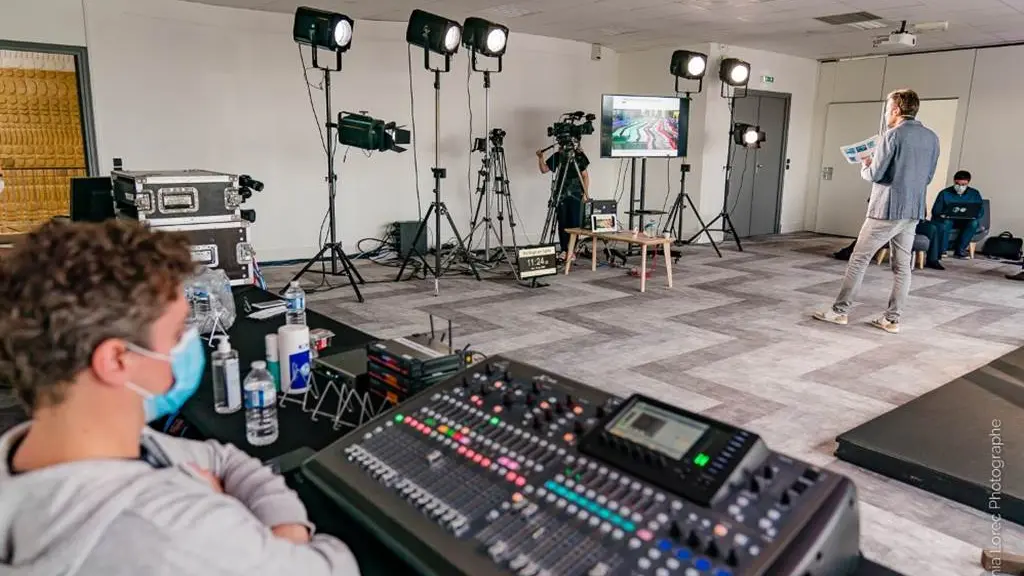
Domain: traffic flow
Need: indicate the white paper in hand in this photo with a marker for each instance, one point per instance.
(856, 153)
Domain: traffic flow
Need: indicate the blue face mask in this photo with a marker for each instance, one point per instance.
(187, 360)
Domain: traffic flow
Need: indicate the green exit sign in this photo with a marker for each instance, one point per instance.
(767, 79)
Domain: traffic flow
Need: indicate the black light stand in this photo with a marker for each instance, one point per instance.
(493, 180)
(727, 226)
(340, 263)
(675, 215)
(437, 207)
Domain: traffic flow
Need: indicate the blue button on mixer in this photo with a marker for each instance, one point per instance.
(702, 564)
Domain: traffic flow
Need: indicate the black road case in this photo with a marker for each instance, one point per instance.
(223, 246)
(177, 196)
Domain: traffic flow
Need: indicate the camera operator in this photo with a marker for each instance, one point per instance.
(574, 191)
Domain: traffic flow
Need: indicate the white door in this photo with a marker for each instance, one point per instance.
(842, 193)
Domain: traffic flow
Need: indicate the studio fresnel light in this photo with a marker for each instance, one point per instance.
(434, 33)
(321, 29)
(485, 37)
(734, 72)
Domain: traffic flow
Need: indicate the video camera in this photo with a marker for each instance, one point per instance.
(496, 136)
(571, 127)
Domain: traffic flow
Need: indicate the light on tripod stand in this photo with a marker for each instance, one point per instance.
(434, 33)
(734, 72)
(321, 29)
(690, 66)
(485, 37)
(748, 135)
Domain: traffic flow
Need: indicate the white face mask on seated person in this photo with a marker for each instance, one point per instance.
(960, 188)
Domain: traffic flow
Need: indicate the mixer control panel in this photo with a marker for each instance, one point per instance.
(507, 469)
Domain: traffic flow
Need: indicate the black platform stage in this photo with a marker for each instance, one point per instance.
(961, 441)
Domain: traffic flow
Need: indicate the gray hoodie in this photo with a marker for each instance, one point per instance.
(127, 517)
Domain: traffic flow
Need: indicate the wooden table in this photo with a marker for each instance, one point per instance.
(644, 242)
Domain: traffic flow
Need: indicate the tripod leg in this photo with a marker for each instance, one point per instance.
(305, 268)
(462, 246)
(421, 230)
(728, 228)
(350, 269)
(704, 229)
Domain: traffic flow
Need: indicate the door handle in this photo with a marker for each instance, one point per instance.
(826, 173)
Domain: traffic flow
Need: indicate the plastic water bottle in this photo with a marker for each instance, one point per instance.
(260, 406)
(295, 296)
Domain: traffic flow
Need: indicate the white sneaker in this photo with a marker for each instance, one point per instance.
(831, 316)
(884, 323)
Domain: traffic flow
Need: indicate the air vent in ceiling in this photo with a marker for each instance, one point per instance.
(849, 18)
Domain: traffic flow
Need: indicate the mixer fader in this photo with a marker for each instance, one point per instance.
(506, 469)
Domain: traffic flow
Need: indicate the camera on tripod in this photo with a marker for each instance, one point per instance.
(496, 136)
(571, 127)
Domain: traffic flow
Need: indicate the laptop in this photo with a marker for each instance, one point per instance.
(961, 211)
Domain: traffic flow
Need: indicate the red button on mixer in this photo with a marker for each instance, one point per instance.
(470, 453)
(511, 476)
(461, 450)
(477, 458)
(485, 462)
(520, 481)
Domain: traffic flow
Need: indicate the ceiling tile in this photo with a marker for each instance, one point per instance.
(785, 26)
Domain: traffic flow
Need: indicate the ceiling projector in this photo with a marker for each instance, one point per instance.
(896, 39)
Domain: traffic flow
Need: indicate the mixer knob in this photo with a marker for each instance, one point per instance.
(559, 407)
(548, 415)
(578, 427)
(754, 485)
(601, 412)
(731, 559)
(712, 549)
(483, 389)
(768, 472)
(535, 386)
(537, 425)
(530, 399)
(693, 540)
(569, 401)
(506, 399)
(508, 375)
(675, 530)
(786, 499)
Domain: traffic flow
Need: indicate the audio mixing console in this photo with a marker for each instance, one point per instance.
(507, 469)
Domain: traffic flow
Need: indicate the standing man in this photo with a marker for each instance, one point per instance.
(574, 191)
(900, 170)
(958, 195)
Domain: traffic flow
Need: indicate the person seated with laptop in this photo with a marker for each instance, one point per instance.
(957, 207)
(96, 344)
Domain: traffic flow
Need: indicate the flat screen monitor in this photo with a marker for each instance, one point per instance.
(643, 126)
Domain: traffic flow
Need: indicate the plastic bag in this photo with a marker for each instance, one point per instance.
(210, 301)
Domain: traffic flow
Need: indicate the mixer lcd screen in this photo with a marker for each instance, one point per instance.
(643, 126)
(660, 430)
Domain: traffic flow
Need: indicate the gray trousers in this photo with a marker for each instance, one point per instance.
(874, 234)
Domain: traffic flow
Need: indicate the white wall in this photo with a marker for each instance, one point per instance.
(45, 21)
(982, 141)
(991, 145)
(709, 140)
(188, 85)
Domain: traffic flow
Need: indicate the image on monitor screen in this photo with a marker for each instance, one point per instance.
(643, 126)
